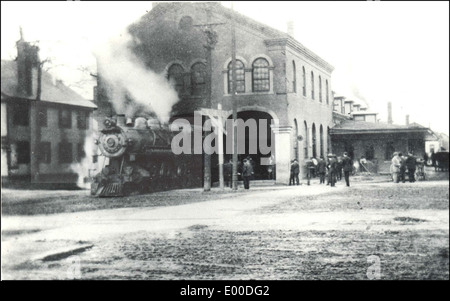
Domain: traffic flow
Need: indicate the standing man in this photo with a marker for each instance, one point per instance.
(402, 172)
(295, 170)
(339, 166)
(227, 172)
(322, 170)
(309, 169)
(395, 167)
(347, 166)
(332, 169)
(411, 163)
(433, 159)
(247, 172)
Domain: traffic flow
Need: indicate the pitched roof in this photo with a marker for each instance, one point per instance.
(56, 93)
(355, 127)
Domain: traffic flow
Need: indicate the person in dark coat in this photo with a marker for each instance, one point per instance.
(339, 168)
(322, 170)
(227, 173)
(411, 163)
(331, 169)
(247, 173)
(402, 173)
(310, 168)
(295, 170)
(433, 159)
(347, 166)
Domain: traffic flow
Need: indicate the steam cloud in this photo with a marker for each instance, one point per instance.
(82, 168)
(358, 94)
(134, 88)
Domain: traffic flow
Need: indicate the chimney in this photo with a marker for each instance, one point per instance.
(407, 119)
(290, 28)
(27, 59)
(389, 113)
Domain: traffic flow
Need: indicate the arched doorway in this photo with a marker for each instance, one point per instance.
(314, 141)
(295, 139)
(321, 142)
(257, 141)
(305, 140)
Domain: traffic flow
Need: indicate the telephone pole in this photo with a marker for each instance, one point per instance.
(211, 41)
(233, 98)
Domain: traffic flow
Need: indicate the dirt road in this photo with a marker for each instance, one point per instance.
(380, 231)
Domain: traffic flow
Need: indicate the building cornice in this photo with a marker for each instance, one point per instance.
(298, 47)
(371, 131)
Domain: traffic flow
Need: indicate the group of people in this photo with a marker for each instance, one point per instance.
(246, 170)
(330, 169)
(333, 167)
(402, 165)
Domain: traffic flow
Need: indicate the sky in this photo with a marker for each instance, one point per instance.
(381, 51)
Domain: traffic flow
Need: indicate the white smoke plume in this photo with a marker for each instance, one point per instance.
(127, 75)
(83, 168)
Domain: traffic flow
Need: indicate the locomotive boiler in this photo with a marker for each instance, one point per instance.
(138, 159)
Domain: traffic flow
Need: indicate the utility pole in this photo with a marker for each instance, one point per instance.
(233, 98)
(211, 41)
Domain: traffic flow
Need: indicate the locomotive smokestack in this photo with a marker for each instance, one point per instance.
(389, 112)
(121, 120)
(129, 122)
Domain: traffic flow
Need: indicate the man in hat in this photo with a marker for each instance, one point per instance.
(402, 172)
(411, 163)
(395, 167)
(228, 173)
(310, 167)
(332, 169)
(347, 166)
(247, 173)
(295, 169)
(322, 170)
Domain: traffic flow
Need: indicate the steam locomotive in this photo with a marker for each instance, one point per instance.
(138, 159)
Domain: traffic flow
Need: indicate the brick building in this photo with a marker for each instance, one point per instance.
(44, 123)
(277, 77)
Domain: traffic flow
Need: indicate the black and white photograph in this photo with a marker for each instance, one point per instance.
(232, 141)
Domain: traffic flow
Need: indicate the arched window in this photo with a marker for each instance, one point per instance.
(312, 85)
(305, 140)
(294, 78)
(198, 79)
(260, 73)
(314, 142)
(240, 77)
(321, 142)
(175, 76)
(327, 91)
(320, 88)
(304, 81)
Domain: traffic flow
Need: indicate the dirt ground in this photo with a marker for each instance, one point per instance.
(368, 231)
